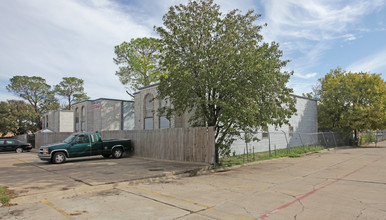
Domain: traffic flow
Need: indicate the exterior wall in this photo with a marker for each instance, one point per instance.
(128, 116)
(304, 121)
(66, 121)
(111, 115)
(99, 115)
(58, 121)
(139, 108)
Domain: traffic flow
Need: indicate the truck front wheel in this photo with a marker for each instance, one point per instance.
(117, 153)
(59, 157)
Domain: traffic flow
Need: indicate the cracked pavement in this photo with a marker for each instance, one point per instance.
(343, 183)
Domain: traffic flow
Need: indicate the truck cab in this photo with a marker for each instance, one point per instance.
(82, 145)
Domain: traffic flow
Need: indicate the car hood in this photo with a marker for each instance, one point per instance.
(54, 146)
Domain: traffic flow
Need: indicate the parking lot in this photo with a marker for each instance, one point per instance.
(336, 184)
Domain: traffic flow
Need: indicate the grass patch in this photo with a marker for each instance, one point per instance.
(6, 195)
(242, 159)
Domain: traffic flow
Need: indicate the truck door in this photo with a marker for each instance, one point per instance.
(81, 146)
(96, 145)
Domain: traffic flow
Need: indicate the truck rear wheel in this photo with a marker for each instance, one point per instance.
(117, 152)
(59, 157)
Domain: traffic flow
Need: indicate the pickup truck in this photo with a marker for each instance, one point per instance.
(84, 144)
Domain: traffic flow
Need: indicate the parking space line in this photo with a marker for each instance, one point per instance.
(315, 190)
(62, 212)
(190, 202)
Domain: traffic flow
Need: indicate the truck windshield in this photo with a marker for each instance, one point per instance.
(69, 139)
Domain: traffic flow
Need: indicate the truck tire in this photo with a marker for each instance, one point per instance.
(117, 153)
(58, 157)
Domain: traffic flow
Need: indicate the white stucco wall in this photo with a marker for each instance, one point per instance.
(66, 121)
(305, 127)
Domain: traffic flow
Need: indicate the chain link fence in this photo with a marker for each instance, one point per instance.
(271, 141)
(370, 137)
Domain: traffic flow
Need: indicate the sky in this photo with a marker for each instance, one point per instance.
(63, 38)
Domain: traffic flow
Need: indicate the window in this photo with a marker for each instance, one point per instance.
(83, 119)
(291, 131)
(149, 123)
(76, 119)
(46, 121)
(94, 138)
(148, 113)
(164, 122)
(82, 139)
(2, 142)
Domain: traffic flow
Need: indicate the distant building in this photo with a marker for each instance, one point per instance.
(92, 115)
(58, 121)
(304, 121)
(146, 115)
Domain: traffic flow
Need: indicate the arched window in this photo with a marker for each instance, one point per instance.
(148, 113)
(76, 119)
(83, 118)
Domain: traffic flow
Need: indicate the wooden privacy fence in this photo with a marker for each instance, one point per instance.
(42, 139)
(180, 144)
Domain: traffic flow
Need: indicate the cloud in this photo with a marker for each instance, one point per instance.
(314, 19)
(306, 76)
(372, 63)
(349, 37)
(300, 87)
(55, 39)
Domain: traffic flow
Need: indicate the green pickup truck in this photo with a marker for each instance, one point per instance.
(84, 144)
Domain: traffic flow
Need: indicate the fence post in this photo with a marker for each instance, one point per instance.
(269, 144)
(286, 140)
(301, 141)
(333, 136)
(324, 139)
(246, 143)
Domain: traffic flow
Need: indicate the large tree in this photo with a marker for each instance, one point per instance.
(33, 89)
(72, 89)
(221, 71)
(18, 117)
(138, 62)
(351, 101)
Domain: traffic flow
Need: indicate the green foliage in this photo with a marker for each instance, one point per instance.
(351, 101)
(33, 89)
(72, 89)
(368, 137)
(220, 70)
(138, 62)
(5, 196)
(294, 152)
(50, 102)
(17, 117)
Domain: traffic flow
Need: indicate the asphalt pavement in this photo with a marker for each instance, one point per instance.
(343, 183)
